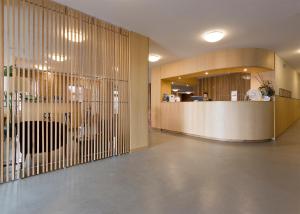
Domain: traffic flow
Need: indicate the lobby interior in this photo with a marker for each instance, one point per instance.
(149, 106)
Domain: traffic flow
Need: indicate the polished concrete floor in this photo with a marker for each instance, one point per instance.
(178, 174)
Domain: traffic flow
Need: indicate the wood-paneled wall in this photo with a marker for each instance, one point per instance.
(222, 59)
(226, 121)
(219, 87)
(139, 74)
(65, 78)
(287, 111)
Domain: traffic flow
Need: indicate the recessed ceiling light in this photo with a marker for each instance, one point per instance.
(213, 36)
(154, 58)
(179, 78)
(206, 73)
(245, 69)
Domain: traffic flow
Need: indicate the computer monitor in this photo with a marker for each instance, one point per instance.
(197, 98)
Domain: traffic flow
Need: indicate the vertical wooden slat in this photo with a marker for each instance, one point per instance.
(68, 94)
(80, 103)
(70, 142)
(47, 92)
(55, 85)
(35, 68)
(13, 96)
(123, 94)
(102, 55)
(111, 70)
(59, 57)
(29, 68)
(42, 87)
(84, 98)
(1, 90)
(79, 84)
(89, 39)
(127, 92)
(106, 96)
(7, 114)
(37, 92)
(23, 88)
(18, 90)
(51, 81)
(64, 88)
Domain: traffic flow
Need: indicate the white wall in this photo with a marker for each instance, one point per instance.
(269, 75)
(286, 77)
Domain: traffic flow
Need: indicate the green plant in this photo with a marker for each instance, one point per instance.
(10, 71)
(266, 87)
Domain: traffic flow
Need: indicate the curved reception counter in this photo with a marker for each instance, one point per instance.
(220, 120)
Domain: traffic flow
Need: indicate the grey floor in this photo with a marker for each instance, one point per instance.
(177, 174)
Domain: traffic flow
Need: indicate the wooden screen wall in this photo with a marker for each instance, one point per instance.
(219, 87)
(64, 88)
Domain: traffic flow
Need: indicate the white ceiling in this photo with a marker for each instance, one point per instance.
(175, 26)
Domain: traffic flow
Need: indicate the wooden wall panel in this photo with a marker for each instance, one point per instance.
(287, 111)
(225, 121)
(139, 47)
(219, 87)
(65, 86)
(155, 97)
(228, 58)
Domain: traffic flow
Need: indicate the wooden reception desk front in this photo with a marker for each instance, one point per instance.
(220, 120)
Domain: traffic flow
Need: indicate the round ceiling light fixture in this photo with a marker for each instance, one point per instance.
(245, 69)
(154, 57)
(213, 36)
(206, 73)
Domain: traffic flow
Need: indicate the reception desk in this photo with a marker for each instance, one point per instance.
(220, 120)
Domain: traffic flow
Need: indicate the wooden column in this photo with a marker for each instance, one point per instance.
(138, 80)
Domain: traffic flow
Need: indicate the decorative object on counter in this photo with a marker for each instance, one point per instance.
(266, 88)
(165, 98)
(177, 99)
(285, 93)
(172, 98)
(234, 95)
(254, 95)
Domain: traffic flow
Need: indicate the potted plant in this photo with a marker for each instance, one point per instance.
(266, 88)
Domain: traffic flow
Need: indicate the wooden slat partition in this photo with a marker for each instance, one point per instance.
(63, 88)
